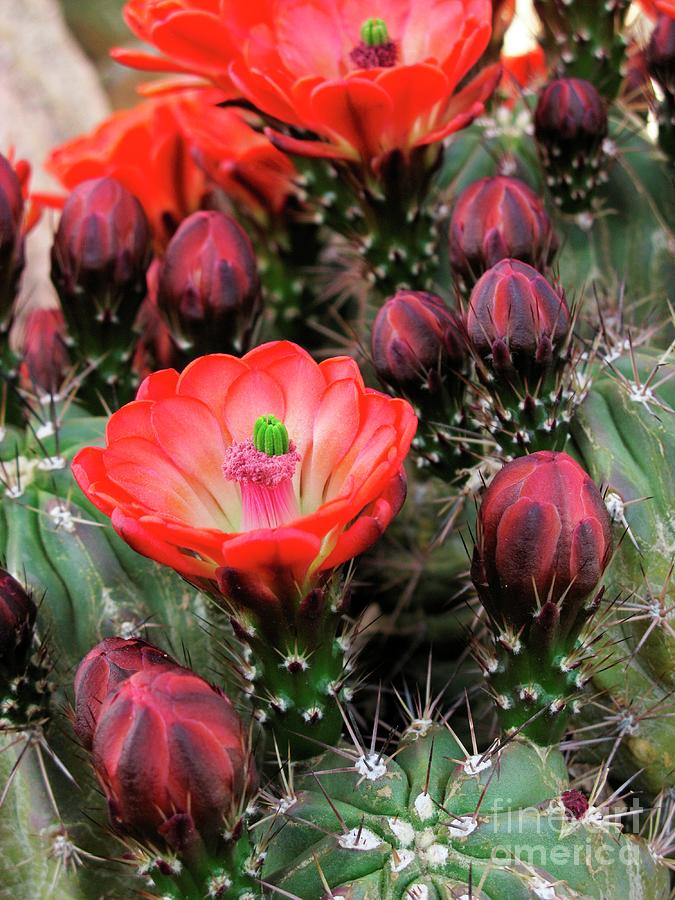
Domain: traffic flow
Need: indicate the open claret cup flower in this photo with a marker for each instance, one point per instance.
(171, 151)
(252, 476)
(367, 79)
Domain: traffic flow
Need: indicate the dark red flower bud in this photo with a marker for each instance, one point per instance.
(44, 357)
(209, 289)
(661, 53)
(11, 237)
(172, 756)
(498, 218)
(544, 534)
(516, 318)
(100, 254)
(571, 117)
(102, 670)
(417, 342)
(17, 618)
(575, 803)
(155, 348)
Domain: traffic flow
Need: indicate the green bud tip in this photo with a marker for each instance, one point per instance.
(270, 436)
(374, 33)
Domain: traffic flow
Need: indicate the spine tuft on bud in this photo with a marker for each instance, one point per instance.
(497, 218)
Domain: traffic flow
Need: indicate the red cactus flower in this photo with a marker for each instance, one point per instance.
(187, 482)
(523, 72)
(496, 218)
(544, 534)
(102, 670)
(653, 7)
(660, 53)
(208, 284)
(172, 757)
(366, 86)
(166, 150)
(416, 339)
(44, 356)
(17, 618)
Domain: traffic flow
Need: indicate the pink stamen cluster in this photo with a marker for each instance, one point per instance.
(267, 496)
(246, 465)
(365, 56)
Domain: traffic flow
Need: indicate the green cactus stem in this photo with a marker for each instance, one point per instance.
(433, 820)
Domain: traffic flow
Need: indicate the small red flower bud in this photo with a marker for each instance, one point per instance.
(17, 618)
(11, 237)
(209, 289)
(155, 348)
(172, 756)
(661, 53)
(416, 341)
(498, 218)
(44, 357)
(102, 670)
(575, 803)
(571, 117)
(516, 318)
(102, 243)
(544, 534)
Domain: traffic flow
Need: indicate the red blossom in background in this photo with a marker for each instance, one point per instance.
(308, 64)
(161, 475)
(169, 152)
(652, 8)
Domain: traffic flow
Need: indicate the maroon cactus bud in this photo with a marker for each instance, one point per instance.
(498, 218)
(571, 117)
(516, 319)
(17, 618)
(661, 53)
(544, 534)
(417, 342)
(155, 348)
(102, 670)
(209, 289)
(575, 804)
(44, 357)
(102, 244)
(11, 237)
(200, 768)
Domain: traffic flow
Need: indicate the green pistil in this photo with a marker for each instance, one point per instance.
(270, 436)
(374, 33)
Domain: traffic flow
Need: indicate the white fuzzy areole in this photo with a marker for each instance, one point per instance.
(370, 767)
(403, 831)
(436, 855)
(543, 889)
(424, 806)
(359, 839)
(405, 857)
(462, 827)
(475, 764)
(45, 431)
